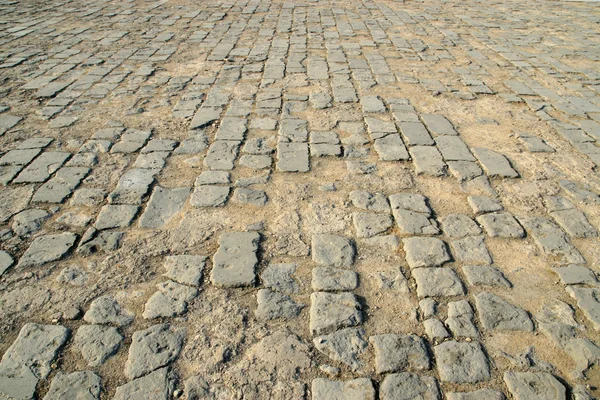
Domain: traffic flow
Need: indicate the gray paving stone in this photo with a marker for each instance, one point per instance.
(279, 277)
(535, 144)
(415, 134)
(344, 94)
(6, 261)
(212, 178)
(485, 275)
(501, 225)
(115, 216)
(495, 164)
(369, 201)
(435, 329)
(106, 310)
(356, 389)
(369, 224)
(589, 303)
(438, 124)
(19, 156)
(459, 225)
(415, 223)
(378, 128)
(332, 250)
(132, 186)
(391, 148)
(153, 348)
(234, 262)
(209, 196)
(453, 149)
(47, 248)
(579, 193)
(425, 252)
(551, 240)
(496, 313)
(154, 386)
(42, 167)
(7, 173)
(461, 362)
(170, 300)
(258, 146)
(29, 359)
(395, 352)
(29, 221)
(186, 269)
(164, 204)
(428, 161)
(464, 170)
(253, 197)
(292, 157)
(275, 305)
(534, 386)
(295, 130)
(437, 282)
(320, 101)
(483, 204)
(232, 129)
(154, 160)
(35, 143)
(344, 346)
(325, 150)
(61, 185)
(406, 386)
(332, 311)
(329, 279)
(221, 154)
(460, 319)
(471, 250)
(372, 104)
(83, 385)
(97, 343)
(575, 223)
(481, 394)
(576, 274)
(256, 161)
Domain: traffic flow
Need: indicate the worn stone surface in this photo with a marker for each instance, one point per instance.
(152, 349)
(106, 310)
(501, 225)
(409, 386)
(394, 353)
(471, 250)
(330, 279)
(186, 269)
(461, 362)
(164, 204)
(170, 300)
(534, 385)
(84, 385)
(329, 311)
(97, 343)
(437, 282)
(356, 389)
(425, 252)
(154, 386)
(496, 313)
(344, 346)
(234, 262)
(274, 305)
(332, 250)
(47, 248)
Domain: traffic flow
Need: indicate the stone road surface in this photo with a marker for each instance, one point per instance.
(312, 199)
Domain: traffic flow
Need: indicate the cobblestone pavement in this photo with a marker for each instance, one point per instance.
(313, 199)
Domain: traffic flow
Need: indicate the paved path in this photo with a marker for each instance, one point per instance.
(288, 200)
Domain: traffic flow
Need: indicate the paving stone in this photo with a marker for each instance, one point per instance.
(325, 150)
(163, 205)
(232, 129)
(42, 167)
(535, 144)
(453, 149)
(575, 223)
(19, 156)
(258, 146)
(378, 128)
(372, 104)
(459, 225)
(153, 348)
(278, 277)
(435, 329)
(483, 204)
(185, 268)
(132, 186)
(256, 198)
(330, 311)
(485, 275)
(212, 178)
(391, 148)
(344, 346)
(464, 170)
(6, 261)
(369, 201)
(460, 319)
(292, 157)
(471, 250)
(496, 313)
(170, 300)
(589, 303)
(368, 224)
(275, 305)
(534, 385)
(234, 262)
(437, 282)
(461, 362)
(83, 385)
(425, 252)
(576, 274)
(395, 353)
(438, 124)
(61, 185)
(29, 359)
(256, 161)
(29, 221)
(551, 240)
(47, 248)
(332, 250)
(495, 164)
(320, 101)
(115, 216)
(405, 386)
(221, 154)
(415, 134)
(209, 196)
(344, 94)
(154, 386)
(428, 161)
(356, 389)
(295, 130)
(481, 394)
(97, 343)
(106, 310)
(329, 279)
(501, 225)
(153, 160)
